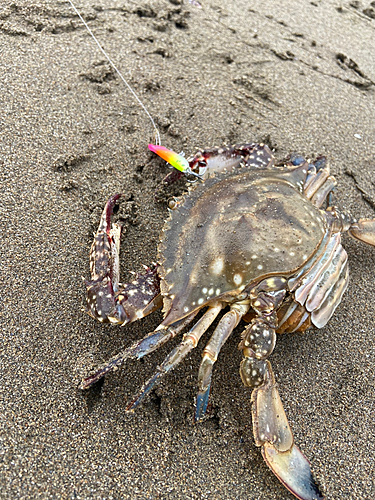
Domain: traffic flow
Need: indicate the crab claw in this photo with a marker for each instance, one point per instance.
(107, 300)
(104, 266)
(273, 434)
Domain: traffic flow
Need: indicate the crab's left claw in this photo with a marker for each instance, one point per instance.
(273, 434)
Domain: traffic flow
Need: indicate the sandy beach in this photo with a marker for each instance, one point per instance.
(298, 75)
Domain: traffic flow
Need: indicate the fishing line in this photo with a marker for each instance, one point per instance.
(157, 135)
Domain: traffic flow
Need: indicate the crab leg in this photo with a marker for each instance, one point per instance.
(273, 434)
(189, 342)
(362, 229)
(210, 354)
(148, 344)
(270, 425)
(317, 182)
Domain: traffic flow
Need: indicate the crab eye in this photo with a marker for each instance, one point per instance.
(296, 159)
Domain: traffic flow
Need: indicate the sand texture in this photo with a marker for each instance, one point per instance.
(299, 75)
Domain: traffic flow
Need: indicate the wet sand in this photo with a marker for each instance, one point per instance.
(299, 77)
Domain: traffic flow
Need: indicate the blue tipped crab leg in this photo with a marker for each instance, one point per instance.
(148, 344)
(189, 342)
(210, 354)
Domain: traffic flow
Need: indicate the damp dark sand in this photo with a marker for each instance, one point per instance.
(299, 76)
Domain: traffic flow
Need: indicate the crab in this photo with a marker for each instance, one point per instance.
(252, 237)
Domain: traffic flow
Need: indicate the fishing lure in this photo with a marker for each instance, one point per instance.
(177, 161)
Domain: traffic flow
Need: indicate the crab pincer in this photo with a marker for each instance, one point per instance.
(107, 300)
(104, 267)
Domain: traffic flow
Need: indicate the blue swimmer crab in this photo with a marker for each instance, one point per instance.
(253, 236)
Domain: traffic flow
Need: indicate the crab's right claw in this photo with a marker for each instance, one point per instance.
(107, 300)
(273, 434)
(104, 267)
